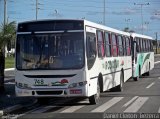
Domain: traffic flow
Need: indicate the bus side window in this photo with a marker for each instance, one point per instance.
(139, 41)
(138, 46)
(124, 46)
(91, 49)
(114, 46)
(108, 44)
(128, 46)
(144, 46)
(101, 50)
(120, 43)
(149, 45)
(142, 49)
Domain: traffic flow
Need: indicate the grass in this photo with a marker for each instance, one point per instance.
(158, 51)
(9, 62)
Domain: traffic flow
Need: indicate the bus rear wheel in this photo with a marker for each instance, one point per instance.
(147, 73)
(94, 99)
(139, 74)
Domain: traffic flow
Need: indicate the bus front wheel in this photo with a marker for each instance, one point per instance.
(120, 86)
(94, 99)
(139, 74)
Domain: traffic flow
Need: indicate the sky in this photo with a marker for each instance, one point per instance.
(118, 13)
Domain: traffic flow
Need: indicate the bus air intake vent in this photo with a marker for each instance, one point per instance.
(49, 92)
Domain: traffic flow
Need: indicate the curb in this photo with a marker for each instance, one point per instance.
(1, 113)
(9, 69)
(12, 108)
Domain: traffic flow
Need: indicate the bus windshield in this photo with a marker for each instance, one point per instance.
(50, 51)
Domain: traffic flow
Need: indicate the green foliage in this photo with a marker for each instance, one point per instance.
(8, 33)
(126, 29)
(9, 62)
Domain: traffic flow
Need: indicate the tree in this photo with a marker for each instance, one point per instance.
(126, 29)
(7, 33)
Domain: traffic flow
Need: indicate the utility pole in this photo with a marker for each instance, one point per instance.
(127, 21)
(104, 12)
(147, 23)
(156, 42)
(36, 9)
(5, 11)
(142, 4)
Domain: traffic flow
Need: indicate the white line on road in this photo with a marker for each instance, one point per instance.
(159, 110)
(129, 102)
(74, 108)
(150, 85)
(137, 105)
(157, 62)
(107, 105)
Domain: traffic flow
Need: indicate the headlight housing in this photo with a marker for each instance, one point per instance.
(78, 84)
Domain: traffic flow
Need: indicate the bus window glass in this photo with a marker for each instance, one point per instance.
(101, 49)
(138, 44)
(149, 45)
(50, 51)
(120, 42)
(108, 44)
(124, 45)
(114, 46)
(144, 45)
(142, 49)
(128, 46)
(91, 49)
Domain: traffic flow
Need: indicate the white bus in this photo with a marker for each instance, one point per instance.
(70, 58)
(143, 55)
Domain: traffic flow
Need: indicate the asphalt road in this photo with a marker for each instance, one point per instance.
(138, 97)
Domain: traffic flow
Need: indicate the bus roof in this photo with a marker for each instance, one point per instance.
(86, 22)
(141, 36)
(103, 27)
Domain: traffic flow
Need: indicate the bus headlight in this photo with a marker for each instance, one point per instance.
(21, 85)
(79, 84)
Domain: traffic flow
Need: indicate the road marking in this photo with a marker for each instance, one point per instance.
(157, 62)
(74, 108)
(129, 102)
(44, 109)
(107, 105)
(137, 104)
(150, 85)
(159, 110)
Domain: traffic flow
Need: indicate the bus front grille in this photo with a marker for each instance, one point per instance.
(49, 92)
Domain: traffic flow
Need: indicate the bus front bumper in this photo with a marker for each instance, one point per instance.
(65, 92)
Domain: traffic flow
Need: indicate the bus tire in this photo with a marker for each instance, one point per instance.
(136, 78)
(147, 73)
(120, 87)
(94, 99)
(139, 74)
